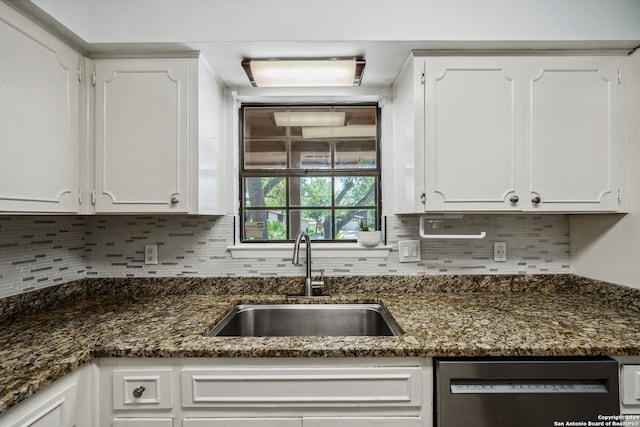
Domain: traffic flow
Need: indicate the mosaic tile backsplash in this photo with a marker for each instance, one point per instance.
(37, 252)
(40, 251)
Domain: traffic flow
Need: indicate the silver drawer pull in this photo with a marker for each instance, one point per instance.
(137, 392)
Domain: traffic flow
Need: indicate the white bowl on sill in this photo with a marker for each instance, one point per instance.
(369, 239)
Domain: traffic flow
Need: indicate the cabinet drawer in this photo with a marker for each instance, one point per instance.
(142, 422)
(291, 387)
(142, 389)
(362, 421)
(242, 422)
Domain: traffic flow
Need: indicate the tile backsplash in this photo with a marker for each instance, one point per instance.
(38, 251)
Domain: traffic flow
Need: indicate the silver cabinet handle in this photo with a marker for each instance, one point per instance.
(536, 200)
(137, 392)
(174, 200)
(514, 199)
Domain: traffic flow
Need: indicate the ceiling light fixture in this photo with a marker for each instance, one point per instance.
(304, 73)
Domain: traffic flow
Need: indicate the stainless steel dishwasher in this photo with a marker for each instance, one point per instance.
(524, 392)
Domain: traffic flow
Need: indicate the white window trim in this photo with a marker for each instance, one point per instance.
(318, 250)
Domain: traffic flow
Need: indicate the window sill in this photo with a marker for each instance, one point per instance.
(319, 250)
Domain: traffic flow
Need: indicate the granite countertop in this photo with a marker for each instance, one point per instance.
(440, 316)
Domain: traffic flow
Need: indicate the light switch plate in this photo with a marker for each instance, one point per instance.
(409, 250)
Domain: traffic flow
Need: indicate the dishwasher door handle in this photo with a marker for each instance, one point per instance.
(515, 387)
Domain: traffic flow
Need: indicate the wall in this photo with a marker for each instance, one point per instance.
(607, 247)
(441, 20)
(37, 252)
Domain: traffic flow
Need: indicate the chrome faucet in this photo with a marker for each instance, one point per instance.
(309, 283)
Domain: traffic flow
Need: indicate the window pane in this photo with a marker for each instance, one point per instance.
(265, 154)
(316, 222)
(310, 154)
(359, 116)
(356, 154)
(348, 222)
(259, 123)
(310, 191)
(259, 192)
(355, 191)
(265, 225)
(264, 142)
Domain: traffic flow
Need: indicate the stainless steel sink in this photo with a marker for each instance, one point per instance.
(260, 320)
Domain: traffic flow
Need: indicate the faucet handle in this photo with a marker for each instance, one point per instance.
(319, 284)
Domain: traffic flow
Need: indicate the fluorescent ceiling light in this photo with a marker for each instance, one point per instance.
(304, 73)
(339, 131)
(309, 118)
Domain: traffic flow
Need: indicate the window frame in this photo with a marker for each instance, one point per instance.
(289, 173)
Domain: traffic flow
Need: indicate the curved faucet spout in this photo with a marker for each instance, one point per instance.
(308, 286)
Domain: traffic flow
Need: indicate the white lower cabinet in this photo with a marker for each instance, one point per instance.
(364, 422)
(304, 422)
(57, 411)
(142, 422)
(242, 422)
(283, 392)
(629, 387)
(65, 403)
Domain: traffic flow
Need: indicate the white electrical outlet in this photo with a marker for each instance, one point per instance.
(151, 254)
(500, 251)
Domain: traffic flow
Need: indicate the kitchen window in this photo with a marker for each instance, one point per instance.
(309, 168)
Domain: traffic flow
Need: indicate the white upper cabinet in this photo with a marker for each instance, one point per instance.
(571, 135)
(508, 134)
(155, 152)
(471, 141)
(408, 130)
(40, 95)
(142, 135)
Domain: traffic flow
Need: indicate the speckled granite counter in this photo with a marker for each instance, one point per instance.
(48, 334)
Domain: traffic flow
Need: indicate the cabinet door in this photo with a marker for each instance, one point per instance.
(39, 119)
(142, 135)
(471, 134)
(408, 143)
(571, 134)
(58, 410)
(242, 422)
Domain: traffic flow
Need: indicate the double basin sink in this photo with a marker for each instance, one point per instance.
(258, 320)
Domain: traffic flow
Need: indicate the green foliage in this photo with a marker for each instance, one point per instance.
(276, 230)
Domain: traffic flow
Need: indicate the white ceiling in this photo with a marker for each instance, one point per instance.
(380, 31)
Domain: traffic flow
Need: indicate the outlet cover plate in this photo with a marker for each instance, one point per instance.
(151, 254)
(500, 251)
